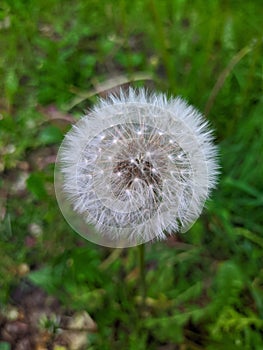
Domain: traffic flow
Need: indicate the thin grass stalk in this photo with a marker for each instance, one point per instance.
(141, 249)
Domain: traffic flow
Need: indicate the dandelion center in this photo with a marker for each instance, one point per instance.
(140, 169)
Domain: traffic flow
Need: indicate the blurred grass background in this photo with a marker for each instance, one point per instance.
(205, 287)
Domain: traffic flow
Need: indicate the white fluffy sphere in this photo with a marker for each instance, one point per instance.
(136, 168)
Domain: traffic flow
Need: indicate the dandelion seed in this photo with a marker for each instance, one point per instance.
(137, 168)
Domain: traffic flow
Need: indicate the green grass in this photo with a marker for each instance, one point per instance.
(206, 291)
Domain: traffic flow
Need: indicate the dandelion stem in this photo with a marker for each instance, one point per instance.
(142, 272)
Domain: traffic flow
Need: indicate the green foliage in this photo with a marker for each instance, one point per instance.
(75, 278)
(50, 134)
(4, 346)
(36, 185)
(204, 288)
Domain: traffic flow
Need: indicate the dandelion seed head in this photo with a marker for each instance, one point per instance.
(137, 168)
